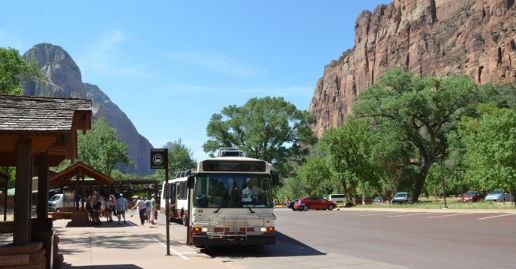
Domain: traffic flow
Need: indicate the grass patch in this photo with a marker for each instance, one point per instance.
(452, 203)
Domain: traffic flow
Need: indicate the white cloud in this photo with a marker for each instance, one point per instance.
(106, 57)
(220, 63)
(98, 59)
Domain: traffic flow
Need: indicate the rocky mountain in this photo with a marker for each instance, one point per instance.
(63, 79)
(427, 37)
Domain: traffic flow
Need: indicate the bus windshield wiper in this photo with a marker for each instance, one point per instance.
(248, 207)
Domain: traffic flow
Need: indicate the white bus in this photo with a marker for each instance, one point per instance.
(178, 193)
(223, 209)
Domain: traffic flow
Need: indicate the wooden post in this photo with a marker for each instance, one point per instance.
(42, 206)
(22, 198)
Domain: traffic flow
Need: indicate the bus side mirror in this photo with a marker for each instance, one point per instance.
(190, 182)
(275, 179)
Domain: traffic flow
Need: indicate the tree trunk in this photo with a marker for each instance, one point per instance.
(346, 192)
(420, 180)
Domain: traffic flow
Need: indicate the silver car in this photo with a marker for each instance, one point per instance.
(402, 197)
(498, 196)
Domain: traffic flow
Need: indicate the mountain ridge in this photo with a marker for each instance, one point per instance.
(63, 79)
(425, 37)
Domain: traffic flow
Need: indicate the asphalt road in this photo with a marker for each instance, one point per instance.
(378, 239)
(411, 239)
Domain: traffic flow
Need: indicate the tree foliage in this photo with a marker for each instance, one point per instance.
(490, 144)
(179, 157)
(419, 113)
(101, 149)
(268, 128)
(349, 149)
(14, 69)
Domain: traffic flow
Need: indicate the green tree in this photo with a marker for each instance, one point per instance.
(418, 112)
(490, 143)
(179, 157)
(14, 69)
(101, 149)
(315, 176)
(349, 148)
(268, 128)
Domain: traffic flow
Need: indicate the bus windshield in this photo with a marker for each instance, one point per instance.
(232, 191)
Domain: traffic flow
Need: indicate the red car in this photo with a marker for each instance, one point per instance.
(314, 202)
(471, 196)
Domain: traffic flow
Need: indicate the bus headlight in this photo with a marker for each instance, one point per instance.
(199, 230)
(269, 229)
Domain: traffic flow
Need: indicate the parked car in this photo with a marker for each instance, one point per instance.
(292, 203)
(314, 202)
(498, 196)
(56, 202)
(471, 196)
(401, 197)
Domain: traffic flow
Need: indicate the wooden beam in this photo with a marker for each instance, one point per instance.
(42, 205)
(22, 198)
(40, 141)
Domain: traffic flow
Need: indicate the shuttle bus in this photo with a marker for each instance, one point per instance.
(229, 201)
(178, 195)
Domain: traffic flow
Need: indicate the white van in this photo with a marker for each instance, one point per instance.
(339, 199)
(56, 202)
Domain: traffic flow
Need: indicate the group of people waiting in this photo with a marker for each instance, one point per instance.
(147, 209)
(98, 206)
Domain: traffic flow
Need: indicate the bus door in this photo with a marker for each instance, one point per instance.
(173, 199)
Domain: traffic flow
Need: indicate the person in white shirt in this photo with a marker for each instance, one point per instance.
(140, 205)
(252, 191)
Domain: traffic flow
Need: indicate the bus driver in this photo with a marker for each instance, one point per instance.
(252, 191)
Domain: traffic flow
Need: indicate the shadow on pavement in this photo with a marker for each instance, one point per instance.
(84, 241)
(285, 247)
(116, 266)
(104, 224)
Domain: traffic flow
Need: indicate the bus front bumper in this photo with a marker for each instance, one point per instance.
(250, 240)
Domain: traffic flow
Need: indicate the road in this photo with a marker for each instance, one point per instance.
(379, 239)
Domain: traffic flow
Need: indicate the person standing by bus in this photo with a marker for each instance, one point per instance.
(121, 206)
(140, 205)
(154, 211)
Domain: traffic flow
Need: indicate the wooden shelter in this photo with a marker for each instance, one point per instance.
(75, 176)
(37, 132)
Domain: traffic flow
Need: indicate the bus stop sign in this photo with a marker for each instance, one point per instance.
(159, 158)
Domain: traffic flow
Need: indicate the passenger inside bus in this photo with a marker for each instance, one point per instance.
(252, 193)
(232, 191)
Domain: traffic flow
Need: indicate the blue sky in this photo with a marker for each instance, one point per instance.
(170, 65)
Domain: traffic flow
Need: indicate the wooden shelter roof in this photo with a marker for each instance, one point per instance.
(79, 169)
(50, 123)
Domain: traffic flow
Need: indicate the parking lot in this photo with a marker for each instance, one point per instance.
(408, 238)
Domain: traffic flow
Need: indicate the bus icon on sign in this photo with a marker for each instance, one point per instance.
(158, 158)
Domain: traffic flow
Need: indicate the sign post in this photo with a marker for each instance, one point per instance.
(159, 160)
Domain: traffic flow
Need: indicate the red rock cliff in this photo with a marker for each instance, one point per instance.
(427, 37)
